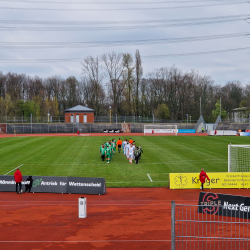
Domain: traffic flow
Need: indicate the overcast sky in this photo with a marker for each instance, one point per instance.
(218, 44)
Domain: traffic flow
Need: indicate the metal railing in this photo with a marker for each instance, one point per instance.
(192, 229)
(97, 119)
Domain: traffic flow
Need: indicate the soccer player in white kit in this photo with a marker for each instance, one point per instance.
(124, 143)
(131, 153)
(134, 149)
(126, 149)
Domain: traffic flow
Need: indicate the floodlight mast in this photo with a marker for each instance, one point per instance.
(110, 113)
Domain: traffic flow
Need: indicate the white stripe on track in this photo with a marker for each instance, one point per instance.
(13, 169)
(81, 241)
(112, 204)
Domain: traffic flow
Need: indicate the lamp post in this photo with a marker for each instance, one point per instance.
(115, 121)
(31, 123)
(153, 119)
(110, 113)
(220, 109)
(187, 120)
(48, 114)
(134, 117)
(200, 106)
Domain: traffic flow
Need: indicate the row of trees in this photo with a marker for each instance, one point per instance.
(117, 80)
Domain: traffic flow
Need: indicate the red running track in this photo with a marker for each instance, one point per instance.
(124, 218)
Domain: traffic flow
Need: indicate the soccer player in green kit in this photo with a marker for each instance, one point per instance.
(108, 153)
(113, 145)
(101, 149)
(103, 152)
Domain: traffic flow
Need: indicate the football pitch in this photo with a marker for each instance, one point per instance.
(79, 156)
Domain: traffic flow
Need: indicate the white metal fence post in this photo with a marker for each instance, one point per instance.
(172, 225)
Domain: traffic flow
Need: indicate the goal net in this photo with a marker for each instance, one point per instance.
(238, 158)
(160, 130)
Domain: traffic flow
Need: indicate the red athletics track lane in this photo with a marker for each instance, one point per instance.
(124, 218)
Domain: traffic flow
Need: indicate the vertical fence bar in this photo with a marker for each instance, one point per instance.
(210, 230)
(235, 229)
(222, 228)
(186, 227)
(190, 216)
(227, 231)
(172, 225)
(182, 225)
(218, 229)
(202, 241)
(243, 232)
(198, 244)
(214, 231)
(247, 228)
(231, 230)
(178, 213)
(206, 229)
(194, 228)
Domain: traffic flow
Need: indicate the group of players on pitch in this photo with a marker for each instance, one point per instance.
(130, 150)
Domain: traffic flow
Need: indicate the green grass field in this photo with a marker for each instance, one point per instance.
(79, 156)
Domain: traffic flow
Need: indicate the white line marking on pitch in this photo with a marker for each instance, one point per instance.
(13, 169)
(150, 178)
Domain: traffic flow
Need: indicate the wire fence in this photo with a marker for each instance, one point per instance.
(97, 119)
(194, 228)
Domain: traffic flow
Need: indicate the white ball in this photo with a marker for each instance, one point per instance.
(21, 191)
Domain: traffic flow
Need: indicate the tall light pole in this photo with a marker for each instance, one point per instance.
(187, 120)
(48, 115)
(220, 108)
(31, 123)
(200, 106)
(110, 113)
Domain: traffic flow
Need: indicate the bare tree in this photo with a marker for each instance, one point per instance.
(72, 91)
(2, 85)
(53, 86)
(128, 79)
(204, 91)
(138, 76)
(114, 68)
(92, 78)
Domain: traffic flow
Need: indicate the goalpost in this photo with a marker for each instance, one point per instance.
(238, 158)
(160, 130)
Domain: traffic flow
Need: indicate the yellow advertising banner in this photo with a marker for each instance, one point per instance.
(217, 180)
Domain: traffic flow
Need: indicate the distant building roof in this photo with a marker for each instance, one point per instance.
(79, 108)
(241, 109)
